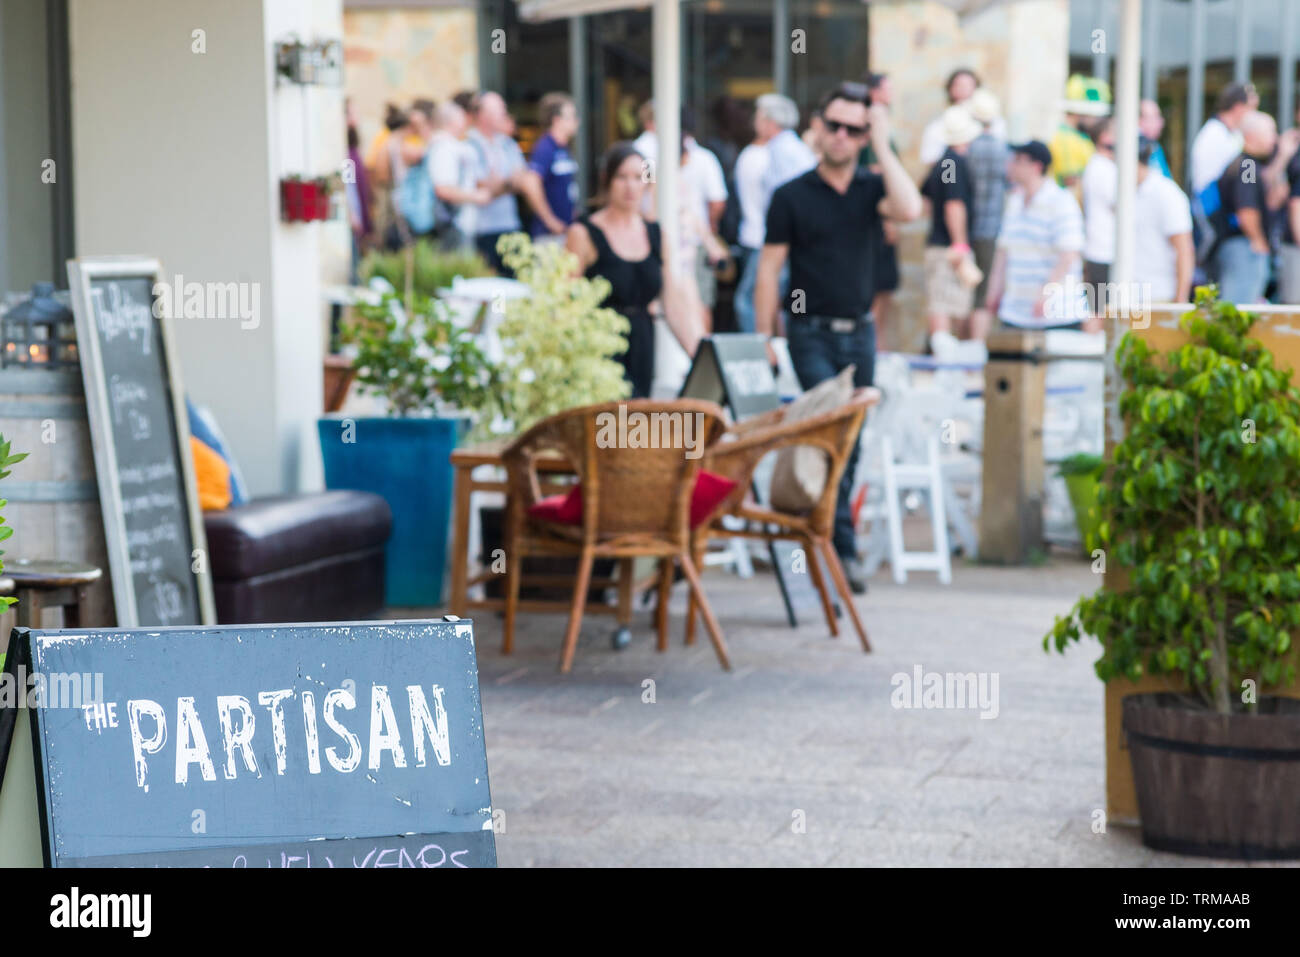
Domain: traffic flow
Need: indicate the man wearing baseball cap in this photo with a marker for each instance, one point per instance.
(1037, 278)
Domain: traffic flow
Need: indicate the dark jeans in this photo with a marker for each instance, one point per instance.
(818, 354)
(487, 247)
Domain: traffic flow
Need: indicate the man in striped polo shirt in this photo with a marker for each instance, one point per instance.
(1037, 276)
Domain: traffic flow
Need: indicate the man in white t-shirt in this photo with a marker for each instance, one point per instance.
(1037, 279)
(1219, 140)
(751, 165)
(702, 166)
(1100, 185)
(452, 169)
(1163, 253)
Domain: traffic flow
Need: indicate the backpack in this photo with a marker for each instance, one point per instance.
(415, 200)
(1213, 221)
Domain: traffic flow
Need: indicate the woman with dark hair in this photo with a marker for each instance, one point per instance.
(618, 243)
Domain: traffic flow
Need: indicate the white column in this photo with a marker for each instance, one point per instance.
(179, 141)
(666, 57)
(1126, 135)
(1126, 139)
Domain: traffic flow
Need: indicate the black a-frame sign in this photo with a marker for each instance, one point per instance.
(732, 370)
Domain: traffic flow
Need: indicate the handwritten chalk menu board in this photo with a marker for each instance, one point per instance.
(339, 745)
(140, 434)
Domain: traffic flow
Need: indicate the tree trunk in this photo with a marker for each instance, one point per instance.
(1219, 670)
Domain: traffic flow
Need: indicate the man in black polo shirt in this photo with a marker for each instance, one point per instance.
(828, 224)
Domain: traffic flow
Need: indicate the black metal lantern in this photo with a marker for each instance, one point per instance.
(39, 332)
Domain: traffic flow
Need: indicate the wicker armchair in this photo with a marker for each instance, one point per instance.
(635, 502)
(739, 454)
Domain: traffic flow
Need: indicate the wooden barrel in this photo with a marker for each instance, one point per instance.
(53, 498)
(1215, 785)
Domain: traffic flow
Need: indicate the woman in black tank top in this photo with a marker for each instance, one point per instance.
(636, 276)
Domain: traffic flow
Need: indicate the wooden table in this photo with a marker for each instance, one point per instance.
(464, 461)
(48, 584)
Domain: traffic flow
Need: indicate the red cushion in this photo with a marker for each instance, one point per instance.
(566, 509)
(710, 490)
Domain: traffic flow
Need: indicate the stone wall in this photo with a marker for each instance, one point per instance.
(1020, 52)
(397, 55)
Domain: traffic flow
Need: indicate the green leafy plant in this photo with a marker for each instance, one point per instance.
(1201, 509)
(427, 269)
(419, 360)
(558, 341)
(7, 459)
(1081, 463)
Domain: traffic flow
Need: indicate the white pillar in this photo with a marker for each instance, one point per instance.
(1126, 138)
(1127, 97)
(179, 139)
(666, 57)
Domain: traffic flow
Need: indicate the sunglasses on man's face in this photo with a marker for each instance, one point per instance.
(834, 126)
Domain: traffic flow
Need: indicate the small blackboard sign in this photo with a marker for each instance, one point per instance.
(732, 369)
(157, 551)
(313, 745)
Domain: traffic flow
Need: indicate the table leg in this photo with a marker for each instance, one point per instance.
(28, 608)
(460, 542)
(72, 613)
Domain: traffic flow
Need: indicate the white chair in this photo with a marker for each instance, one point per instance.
(911, 450)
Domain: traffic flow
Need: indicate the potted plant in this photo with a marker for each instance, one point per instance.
(1200, 508)
(434, 379)
(559, 344)
(305, 200)
(1082, 474)
(421, 269)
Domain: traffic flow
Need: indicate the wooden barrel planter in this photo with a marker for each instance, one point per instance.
(52, 494)
(1215, 785)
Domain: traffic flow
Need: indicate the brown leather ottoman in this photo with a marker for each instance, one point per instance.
(315, 557)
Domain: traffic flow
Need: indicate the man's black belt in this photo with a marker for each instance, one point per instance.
(841, 324)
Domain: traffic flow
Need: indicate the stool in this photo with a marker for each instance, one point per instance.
(48, 584)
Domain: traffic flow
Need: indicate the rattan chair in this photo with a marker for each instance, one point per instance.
(635, 502)
(738, 455)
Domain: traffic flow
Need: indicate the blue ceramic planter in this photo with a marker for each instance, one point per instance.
(408, 462)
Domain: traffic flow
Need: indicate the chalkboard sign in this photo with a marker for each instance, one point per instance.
(732, 369)
(157, 551)
(339, 745)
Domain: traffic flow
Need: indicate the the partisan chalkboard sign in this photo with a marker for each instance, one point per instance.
(140, 434)
(340, 745)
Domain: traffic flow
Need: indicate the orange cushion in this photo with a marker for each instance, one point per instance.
(212, 475)
(566, 509)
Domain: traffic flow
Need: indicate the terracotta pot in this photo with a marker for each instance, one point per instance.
(1216, 785)
(339, 374)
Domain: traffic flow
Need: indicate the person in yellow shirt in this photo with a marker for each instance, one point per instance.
(1085, 98)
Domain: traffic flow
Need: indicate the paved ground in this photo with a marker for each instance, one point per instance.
(797, 757)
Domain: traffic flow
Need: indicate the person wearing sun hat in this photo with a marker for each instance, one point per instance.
(1085, 97)
(950, 271)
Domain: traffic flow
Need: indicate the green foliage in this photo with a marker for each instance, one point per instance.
(430, 269)
(1081, 463)
(1201, 509)
(6, 460)
(421, 360)
(558, 341)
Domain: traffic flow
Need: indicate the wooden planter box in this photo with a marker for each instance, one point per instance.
(1277, 330)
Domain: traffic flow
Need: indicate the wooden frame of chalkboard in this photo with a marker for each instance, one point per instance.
(82, 274)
